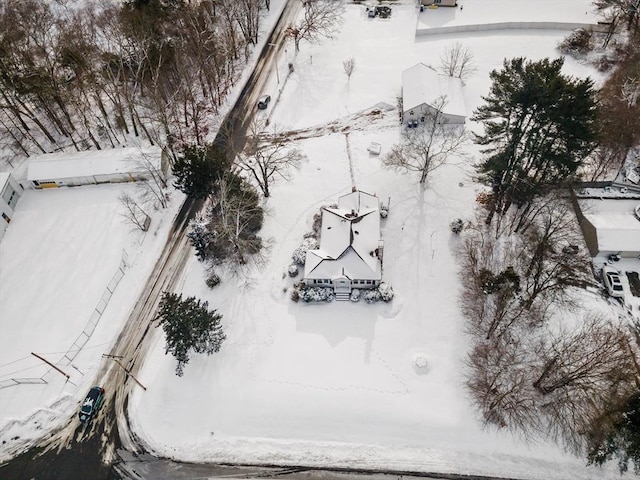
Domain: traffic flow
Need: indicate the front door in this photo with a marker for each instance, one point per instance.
(342, 284)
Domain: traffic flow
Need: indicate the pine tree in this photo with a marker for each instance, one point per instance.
(200, 236)
(539, 125)
(198, 168)
(189, 326)
(621, 439)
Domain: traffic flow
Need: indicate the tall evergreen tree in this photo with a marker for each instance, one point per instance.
(619, 438)
(538, 126)
(197, 169)
(189, 326)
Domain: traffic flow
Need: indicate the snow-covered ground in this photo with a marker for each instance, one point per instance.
(64, 247)
(331, 384)
(341, 383)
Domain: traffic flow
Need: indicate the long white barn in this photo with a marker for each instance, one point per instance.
(96, 166)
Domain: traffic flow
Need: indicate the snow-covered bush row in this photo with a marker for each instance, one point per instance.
(317, 294)
(300, 253)
(384, 292)
(355, 295)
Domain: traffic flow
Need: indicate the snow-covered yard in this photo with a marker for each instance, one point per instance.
(64, 249)
(341, 383)
(347, 384)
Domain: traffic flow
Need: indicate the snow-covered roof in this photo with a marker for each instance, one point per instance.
(4, 178)
(348, 240)
(421, 84)
(616, 231)
(94, 162)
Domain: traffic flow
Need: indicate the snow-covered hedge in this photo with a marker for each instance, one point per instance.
(212, 280)
(293, 270)
(300, 254)
(317, 294)
(384, 292)
(457, 225)
(355, 295)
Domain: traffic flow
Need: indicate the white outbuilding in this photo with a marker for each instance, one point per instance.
(96, 166)
(10, 193)
(611, 226)
(424, 90)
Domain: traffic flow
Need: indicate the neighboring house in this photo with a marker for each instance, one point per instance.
(10, 192)
(350, 253)
(96, 166)
(610, 225)
(423, 87)
(440, 3)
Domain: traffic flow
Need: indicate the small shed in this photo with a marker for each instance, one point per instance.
(10, 193)
(96, 166)
(423, 87)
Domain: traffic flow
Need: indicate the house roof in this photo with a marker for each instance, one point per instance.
(616, 231)
(4, 179)
(421, 84)
(94, 162)
(349, 237)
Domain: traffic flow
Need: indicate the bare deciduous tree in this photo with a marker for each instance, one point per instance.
(349, 66)
(579, 374)
(133, 213)
(152, 188)
(227, 231)
(321, 19)
(267, 155)
(457, 61)
(428, 146)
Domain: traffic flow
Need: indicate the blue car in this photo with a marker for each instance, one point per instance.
(91, 404)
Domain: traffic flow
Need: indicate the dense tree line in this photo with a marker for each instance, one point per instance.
(92, 77)
(540, 365)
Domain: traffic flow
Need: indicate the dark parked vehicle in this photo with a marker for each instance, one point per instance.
(263, 102)
(91, 404)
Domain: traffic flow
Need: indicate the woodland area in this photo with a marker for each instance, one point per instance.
(541, 363)
(96, 75)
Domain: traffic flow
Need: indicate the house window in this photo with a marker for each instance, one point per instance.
(369, 282)
(5, 217)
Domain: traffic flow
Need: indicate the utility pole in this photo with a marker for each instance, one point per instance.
(50, 364)
(126, 370)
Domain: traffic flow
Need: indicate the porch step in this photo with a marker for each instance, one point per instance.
(342, 297)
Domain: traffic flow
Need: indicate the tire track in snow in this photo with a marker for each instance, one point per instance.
(351, 174)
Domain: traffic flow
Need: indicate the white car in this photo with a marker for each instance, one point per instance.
(612, 281)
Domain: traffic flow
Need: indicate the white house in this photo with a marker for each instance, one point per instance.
(10, 193)
(423, 87)
(350, 253)
(611, 226)
(96, 166)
